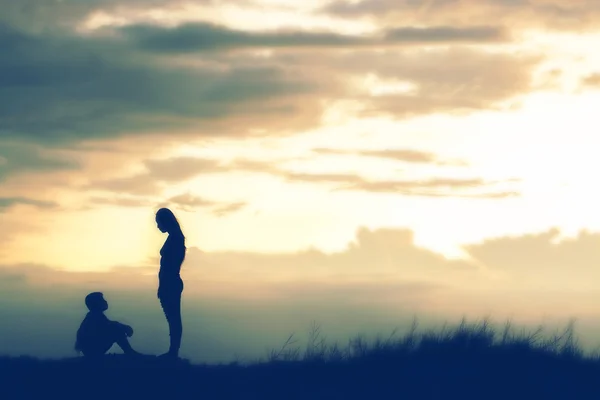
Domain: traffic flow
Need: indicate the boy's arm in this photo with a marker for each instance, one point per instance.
(128, 329)
(109, 322)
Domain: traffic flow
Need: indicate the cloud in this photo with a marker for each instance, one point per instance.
(230, 208)
(7, 202)
(404, 84)
(174, 170)
(100, 86)
(15, 225)
(158, 173)
(18, 158)
(136, 185)
(105, 85)
(190, 202)
(518, 14)
(456, 80)
(404, 155)
(180, 169)
(433, 187)
(45, 15)
(84, 88)
(592, 80)
(544, 257)
(121, 201)
(194, 37)
(445, 34)
(185, 202)
(371, 255)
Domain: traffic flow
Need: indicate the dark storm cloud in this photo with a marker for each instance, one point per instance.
(51, 15)
(204, 36)
(16, 158)
(59, 88)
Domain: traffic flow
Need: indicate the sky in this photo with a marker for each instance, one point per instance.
(348, 163)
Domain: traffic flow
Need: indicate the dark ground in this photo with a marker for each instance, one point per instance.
(465, 364)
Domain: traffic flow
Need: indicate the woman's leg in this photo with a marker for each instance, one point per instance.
(171, 304)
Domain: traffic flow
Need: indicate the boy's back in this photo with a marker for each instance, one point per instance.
(95, 325)
(97, 334)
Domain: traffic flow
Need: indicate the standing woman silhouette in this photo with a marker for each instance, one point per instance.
(170, 284)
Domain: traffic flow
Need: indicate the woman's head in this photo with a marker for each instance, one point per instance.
(166, 221)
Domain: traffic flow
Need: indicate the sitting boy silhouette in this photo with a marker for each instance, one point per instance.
(97, 333)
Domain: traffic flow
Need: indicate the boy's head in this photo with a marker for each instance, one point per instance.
(95, 302)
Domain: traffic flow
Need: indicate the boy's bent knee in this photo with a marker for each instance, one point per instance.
(116, 332)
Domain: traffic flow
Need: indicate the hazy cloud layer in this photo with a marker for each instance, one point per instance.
(434, 187)
(539, 258)
(180, 169)
(205, 37)
(17, 158)
(549, 14)
(455, 80)
(245, 303)
(185, 202)
(6, 202)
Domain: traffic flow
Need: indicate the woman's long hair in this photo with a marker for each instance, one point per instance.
(172, 224)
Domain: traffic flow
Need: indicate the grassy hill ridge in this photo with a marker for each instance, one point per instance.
(466, 362)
